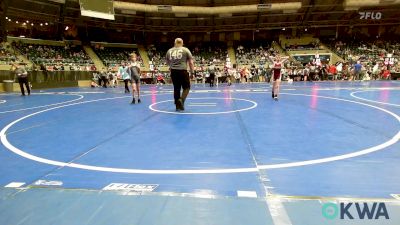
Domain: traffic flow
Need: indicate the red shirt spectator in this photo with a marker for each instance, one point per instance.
(332, 69)
(386, 74)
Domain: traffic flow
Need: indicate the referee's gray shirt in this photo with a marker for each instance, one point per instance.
(177, 58)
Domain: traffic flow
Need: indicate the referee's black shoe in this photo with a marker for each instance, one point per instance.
(179, 105)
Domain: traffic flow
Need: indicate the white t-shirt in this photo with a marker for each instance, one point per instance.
(375, 68)
(339, 67)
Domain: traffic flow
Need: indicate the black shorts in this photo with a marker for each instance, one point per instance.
(135, 79)
(180, 78)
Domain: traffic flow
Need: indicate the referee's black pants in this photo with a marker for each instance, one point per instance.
(180, 80)
(212, 79)
(22, 81)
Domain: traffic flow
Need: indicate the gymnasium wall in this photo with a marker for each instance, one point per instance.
(54, 79)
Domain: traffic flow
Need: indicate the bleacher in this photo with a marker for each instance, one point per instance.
(7, 55)
(289, 43)
(49, 55)
(157, 55)
(113, 56)
(205, 53)
(253, 53)
(364, 51)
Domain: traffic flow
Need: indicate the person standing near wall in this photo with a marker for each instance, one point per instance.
(123, 73)
(211, 70)
(22, 76)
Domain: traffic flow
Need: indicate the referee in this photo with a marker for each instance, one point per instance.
(178, 59)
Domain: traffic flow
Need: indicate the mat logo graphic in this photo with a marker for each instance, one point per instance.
(363, 210)
(370, 15)
(48, 183)
(130, 187)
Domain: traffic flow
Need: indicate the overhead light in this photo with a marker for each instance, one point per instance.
(305, 29)
(24, 24)
(9, 20)
(58, 1)
(6, 18)
(263, 7)
(164, 8)
(16, 21)
(27, 21)
(66, 28)
(46, 24)
(283, 28)
(31, 24)
(95, 14)
(41, 24)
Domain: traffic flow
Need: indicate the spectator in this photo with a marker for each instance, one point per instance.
(357, 70)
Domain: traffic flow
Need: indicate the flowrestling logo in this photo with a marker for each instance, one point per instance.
(370, 15)
(356, 210)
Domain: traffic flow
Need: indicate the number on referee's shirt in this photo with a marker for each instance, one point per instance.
(176, 54)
